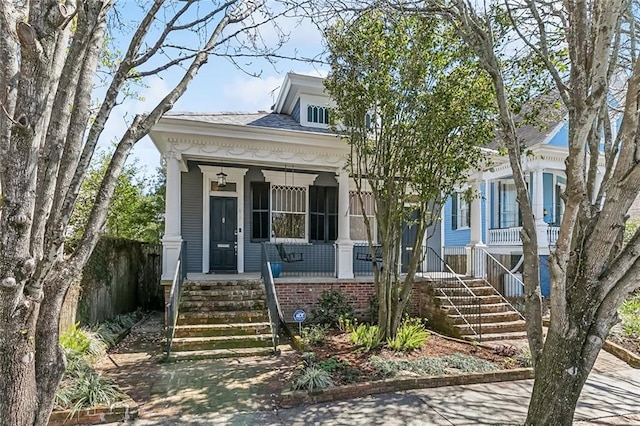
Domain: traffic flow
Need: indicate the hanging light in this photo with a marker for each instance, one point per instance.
(222, 178)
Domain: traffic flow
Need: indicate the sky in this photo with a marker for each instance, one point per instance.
(221, 86)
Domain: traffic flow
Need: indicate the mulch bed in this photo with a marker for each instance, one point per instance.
(338, 345)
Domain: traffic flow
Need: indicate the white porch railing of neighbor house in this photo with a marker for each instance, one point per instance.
(552, 235)
(505, 236)
(511, 236)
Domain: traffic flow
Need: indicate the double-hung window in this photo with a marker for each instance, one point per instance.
(460, 211)
(357, 226)
(288, 212)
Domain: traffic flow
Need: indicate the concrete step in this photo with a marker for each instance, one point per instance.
(210, 330)
(493, 328)
(183, 344)
(461, 291)
(485, 308)
(223, 285)
(222, 305)
(222, 317)
(489, 318)
(220, 353)
(464, 300)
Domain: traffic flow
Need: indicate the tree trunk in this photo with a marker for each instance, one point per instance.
(17, 374)
(560, 376)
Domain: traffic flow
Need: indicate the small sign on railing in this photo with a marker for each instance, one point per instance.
(299, 316)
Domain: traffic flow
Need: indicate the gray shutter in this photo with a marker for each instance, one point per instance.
(454, 211)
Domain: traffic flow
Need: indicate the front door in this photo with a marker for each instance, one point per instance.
(409, 235)
(223, 244)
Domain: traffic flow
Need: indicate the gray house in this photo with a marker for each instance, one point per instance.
(236, 181)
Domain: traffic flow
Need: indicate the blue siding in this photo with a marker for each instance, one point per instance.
(561, 138)
(191, 216)
(547, 188)
(295, 114)
(454, 237)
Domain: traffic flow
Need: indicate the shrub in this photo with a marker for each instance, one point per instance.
(410, 335)
(347, 324)
(332, 364)
(332, 305)
(314, 335)
(505, 350)
(425, 366)
(630, 316)
(86, 388)
(374, 307)
(83, 342)
(524, 358)
(469, 364)
(313, 378)
(367, 336)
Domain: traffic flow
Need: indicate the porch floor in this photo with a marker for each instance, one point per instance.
(194, 276)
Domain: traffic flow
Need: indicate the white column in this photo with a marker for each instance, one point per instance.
(172, 239)
(538, 210)
(344, 245)
(475, 249)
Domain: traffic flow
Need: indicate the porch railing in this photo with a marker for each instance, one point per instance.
(300, 259)
(505, 236)
(511, 236)
(552, 234)
(173, 304)
(275, 313)
(455, 291)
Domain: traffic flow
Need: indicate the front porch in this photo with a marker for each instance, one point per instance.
(511, 236)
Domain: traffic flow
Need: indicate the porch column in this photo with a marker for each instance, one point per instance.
(344, 245)
(475, 248)
(538, 209)
(172, 239)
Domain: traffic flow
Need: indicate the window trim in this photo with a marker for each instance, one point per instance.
(372, 218)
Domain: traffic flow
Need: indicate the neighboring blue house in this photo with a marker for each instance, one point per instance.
(492, 221)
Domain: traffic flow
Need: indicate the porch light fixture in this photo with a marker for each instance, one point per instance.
(222, 178)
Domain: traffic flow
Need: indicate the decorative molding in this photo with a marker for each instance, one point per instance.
(288, 178)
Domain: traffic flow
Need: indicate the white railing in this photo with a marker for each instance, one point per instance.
(552, 235)
(505, 236)
(511, 236)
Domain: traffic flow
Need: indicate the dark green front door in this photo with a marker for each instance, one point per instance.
(223, 244)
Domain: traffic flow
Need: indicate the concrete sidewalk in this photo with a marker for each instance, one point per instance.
(240, 392)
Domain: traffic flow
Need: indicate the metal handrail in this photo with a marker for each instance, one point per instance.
(509, 272)
(275, 313)
(464, 285)
(173, 304)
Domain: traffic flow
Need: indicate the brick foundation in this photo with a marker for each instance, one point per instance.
(293, 296)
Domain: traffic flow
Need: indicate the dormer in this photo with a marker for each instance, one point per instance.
(303, 97)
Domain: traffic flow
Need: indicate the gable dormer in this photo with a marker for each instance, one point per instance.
(303, 97)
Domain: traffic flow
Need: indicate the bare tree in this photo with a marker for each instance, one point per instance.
(50, 53)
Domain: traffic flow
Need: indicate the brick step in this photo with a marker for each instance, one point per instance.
(222, 305)
(211, 330)
(492, 337)
(222, 317)
(461, 291)
(464, 300)
(183, 344)
(222, 294)
(493, 328)
(485, 308)
(492, 318)
(220, 353)
(223, 285)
